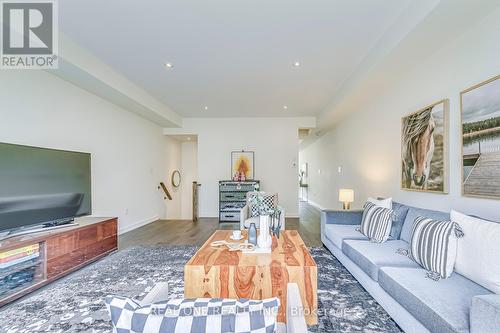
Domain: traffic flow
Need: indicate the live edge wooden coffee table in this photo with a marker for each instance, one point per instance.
(218, 272)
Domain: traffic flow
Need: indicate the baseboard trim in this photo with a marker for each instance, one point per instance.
(136, 225)
(216, 216)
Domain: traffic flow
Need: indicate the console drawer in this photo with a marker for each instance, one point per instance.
(233, 196)
(229, 187)
(229, 216)
(231, 206)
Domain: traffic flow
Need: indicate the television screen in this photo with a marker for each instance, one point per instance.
(39, 185)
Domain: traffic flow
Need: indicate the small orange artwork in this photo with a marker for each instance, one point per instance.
(242, 165)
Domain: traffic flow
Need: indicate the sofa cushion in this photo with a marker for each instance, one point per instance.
(482, 264)
(413, 213)
(337, 233)
(441, 306)
(400, 212)
(485, 314)
(370, 257)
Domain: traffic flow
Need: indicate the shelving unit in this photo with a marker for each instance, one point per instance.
(232, 198)
(22, 269)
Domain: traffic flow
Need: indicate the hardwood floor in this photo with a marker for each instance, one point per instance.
(309, 224)
(186, 232)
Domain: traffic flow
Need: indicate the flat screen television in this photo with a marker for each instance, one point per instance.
(40, 185)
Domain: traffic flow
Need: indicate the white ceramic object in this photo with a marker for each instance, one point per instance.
(236, 239)
(236, 234)
(264, 240)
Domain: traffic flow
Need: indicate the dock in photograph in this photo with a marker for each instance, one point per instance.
(484, 178)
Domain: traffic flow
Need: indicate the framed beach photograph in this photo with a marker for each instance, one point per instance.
(242, 165)
(480, 123)
(424, 149)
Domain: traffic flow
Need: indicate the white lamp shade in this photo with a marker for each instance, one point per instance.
(346, 195)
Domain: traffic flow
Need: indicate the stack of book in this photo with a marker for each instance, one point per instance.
(18, 267)
(18, 256)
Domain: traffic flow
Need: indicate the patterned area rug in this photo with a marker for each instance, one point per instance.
(75, 303)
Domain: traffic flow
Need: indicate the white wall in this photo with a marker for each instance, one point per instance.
(173, 152)
(274, 141)
(367, 143)
(40, 109)
(189, 174)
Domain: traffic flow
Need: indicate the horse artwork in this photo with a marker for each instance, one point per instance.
(424, 149)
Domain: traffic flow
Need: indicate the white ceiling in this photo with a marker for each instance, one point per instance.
(236, 57)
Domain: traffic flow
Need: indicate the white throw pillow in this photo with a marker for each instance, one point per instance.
(478, 251)
(384, 203)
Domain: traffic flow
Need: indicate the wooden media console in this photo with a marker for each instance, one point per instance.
(28, 262)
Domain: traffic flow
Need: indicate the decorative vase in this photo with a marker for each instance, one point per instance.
(252, 234)
(264, 241)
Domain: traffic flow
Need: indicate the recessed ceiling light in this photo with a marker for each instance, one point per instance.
(205, 108)
(296, 64)
(189, 138)
(285, 107)
(169, 65)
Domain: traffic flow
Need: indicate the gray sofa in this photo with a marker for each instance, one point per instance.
(416, 303)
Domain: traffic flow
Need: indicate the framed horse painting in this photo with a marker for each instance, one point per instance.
(424, 149)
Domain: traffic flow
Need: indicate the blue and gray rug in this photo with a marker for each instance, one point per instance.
(75, 303)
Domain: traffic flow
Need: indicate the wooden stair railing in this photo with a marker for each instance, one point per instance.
(195, 201)
(165, 190)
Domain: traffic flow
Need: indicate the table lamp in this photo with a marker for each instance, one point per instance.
(346, 196)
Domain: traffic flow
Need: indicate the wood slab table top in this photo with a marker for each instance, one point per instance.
(218, 272)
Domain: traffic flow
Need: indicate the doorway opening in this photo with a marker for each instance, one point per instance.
(309, 215)
(303, 167)
(182, 173)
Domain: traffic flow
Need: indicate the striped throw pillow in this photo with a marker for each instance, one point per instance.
(376, 223)
(433, 245)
